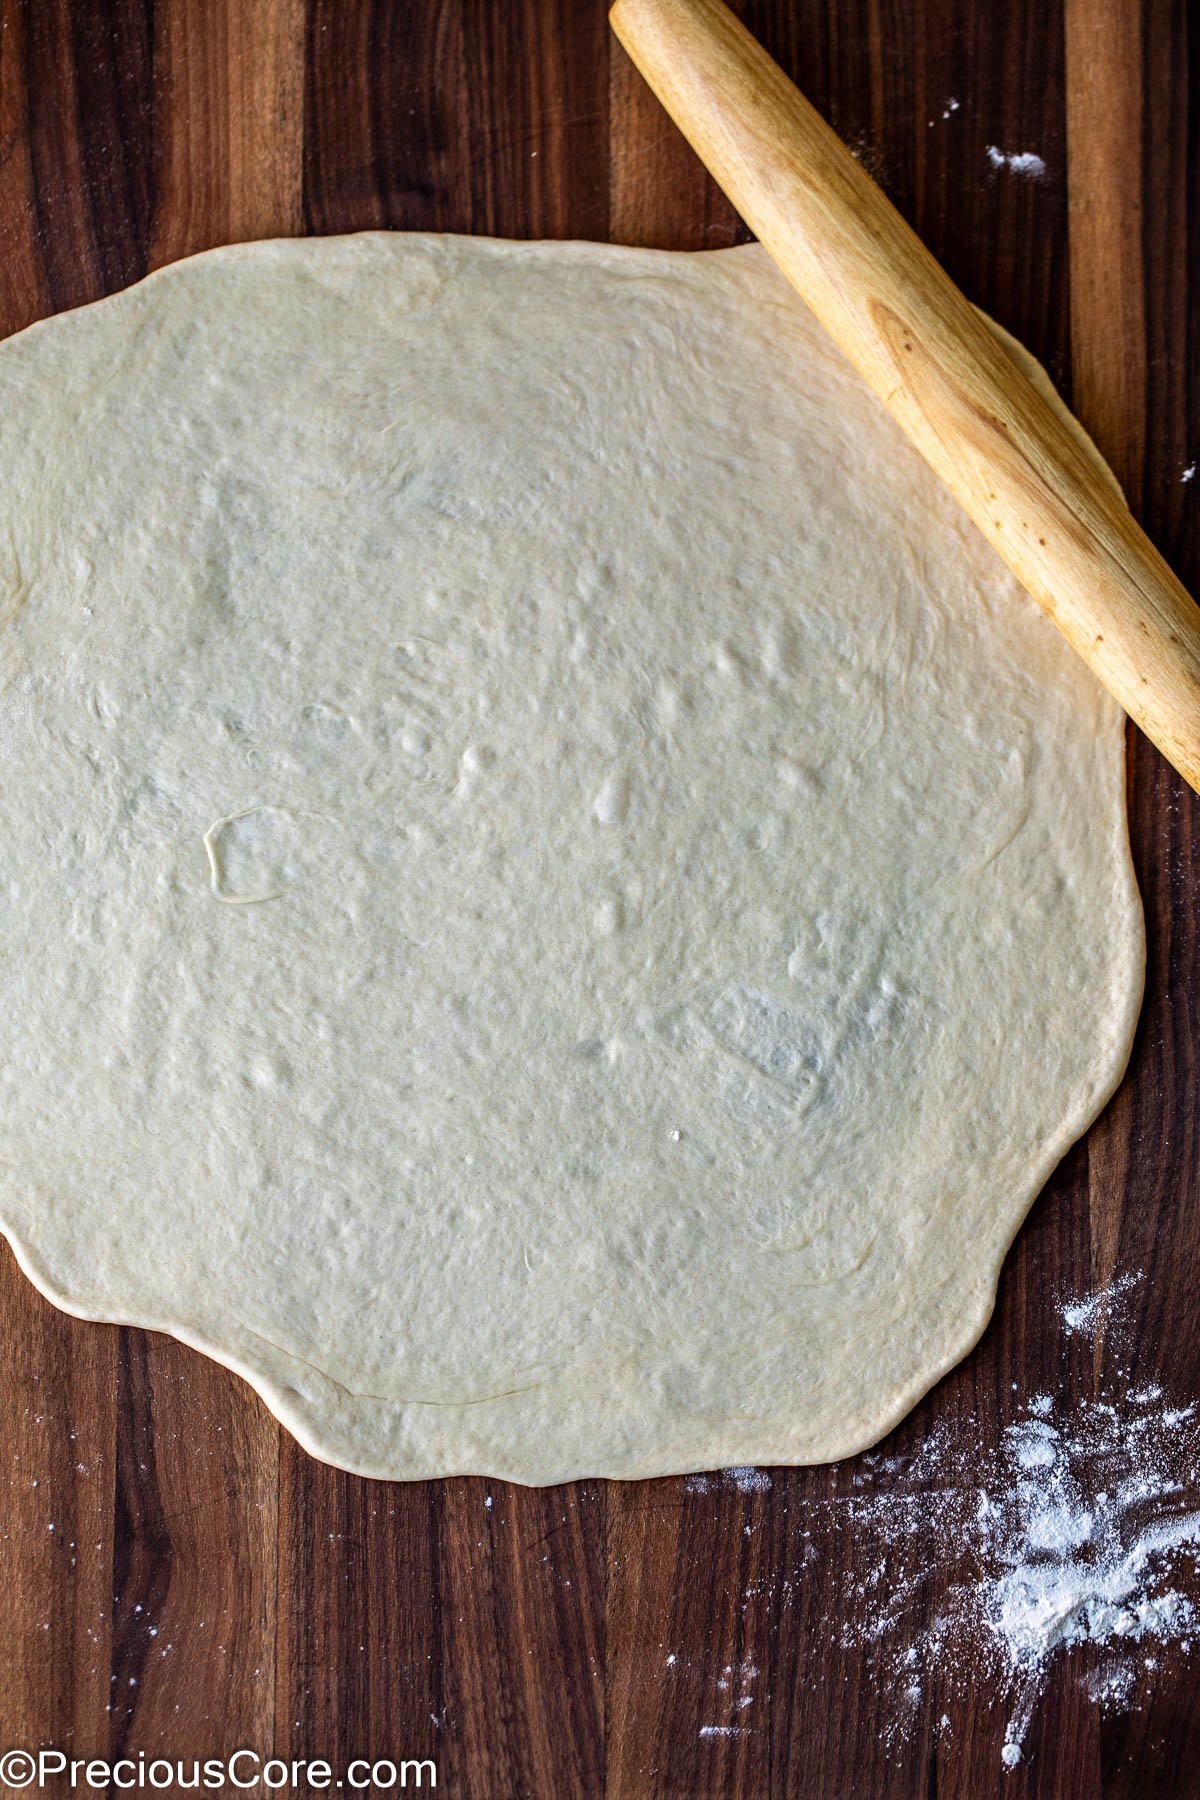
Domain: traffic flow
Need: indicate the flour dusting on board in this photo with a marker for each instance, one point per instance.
(1083, 1527)
(1020, 162)
(1086, 1313)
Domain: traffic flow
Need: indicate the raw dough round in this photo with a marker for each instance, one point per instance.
(560, 903)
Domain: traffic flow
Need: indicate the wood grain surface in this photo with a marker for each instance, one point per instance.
(176, 1576)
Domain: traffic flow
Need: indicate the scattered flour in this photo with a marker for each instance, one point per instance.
(1086, 1313)
(746, 1481)
(749, 1481)
(1021, 162)
(1082, 1527)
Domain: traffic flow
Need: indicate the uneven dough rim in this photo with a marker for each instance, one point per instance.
(303, 1421)
(302, 1418)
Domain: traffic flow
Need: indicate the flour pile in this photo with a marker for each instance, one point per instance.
(1083, 1527)
(1083, 1540)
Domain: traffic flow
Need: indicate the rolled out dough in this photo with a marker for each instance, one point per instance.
(560, 903)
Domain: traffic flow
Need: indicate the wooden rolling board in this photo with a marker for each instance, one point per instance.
(205, 1584)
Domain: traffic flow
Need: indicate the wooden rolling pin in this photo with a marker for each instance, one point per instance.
(896, 314)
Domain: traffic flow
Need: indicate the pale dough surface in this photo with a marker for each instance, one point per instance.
(559, 902)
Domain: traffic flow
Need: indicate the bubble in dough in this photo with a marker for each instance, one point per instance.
(559, 902)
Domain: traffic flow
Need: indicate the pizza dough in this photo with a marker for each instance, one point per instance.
(560, 904)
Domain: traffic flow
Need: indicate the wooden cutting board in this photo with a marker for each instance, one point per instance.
(176, 1576)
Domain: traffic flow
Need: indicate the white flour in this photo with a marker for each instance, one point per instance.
(1083, 1527)
(745, 1480)
(1021, 162)
(1087, 1313)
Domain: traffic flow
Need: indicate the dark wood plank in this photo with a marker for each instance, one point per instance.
(58, 1420)
(523, 1582)
(1134, 138)
(193, 1558)
(659, 194)
(603, 1638)
(23, 295)
(360, 1669)
(83, 150)
(229, 100)
(467, 117)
